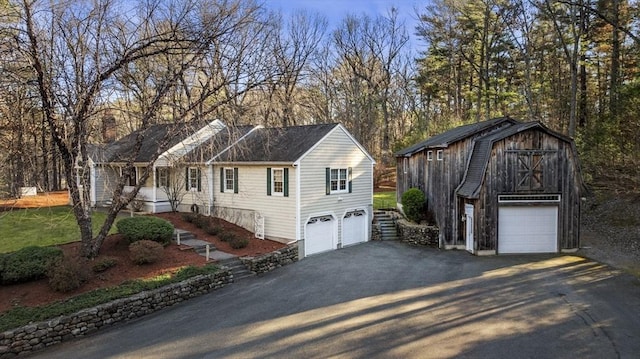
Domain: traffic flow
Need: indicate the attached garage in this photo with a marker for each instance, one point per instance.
(319, 235)
(354, 227)
(527, 229)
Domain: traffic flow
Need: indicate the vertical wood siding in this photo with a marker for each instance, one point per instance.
(439, 180)
(560, 175)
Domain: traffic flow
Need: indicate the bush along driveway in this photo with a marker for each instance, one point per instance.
(389, 299)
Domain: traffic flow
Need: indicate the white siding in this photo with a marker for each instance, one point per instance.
(193, 196)
(106, 179)
(336, 151)
(278, 211)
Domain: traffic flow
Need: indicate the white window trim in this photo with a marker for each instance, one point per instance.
(228, 189)
(430, 155)
(195, 178)
(346, 181)
(159, 179)
(440, 155)
(273, 182)
(137, 174)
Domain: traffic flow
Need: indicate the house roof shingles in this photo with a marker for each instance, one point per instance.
(275, 145)
(217, 143)
(231, 144)
(166, 134)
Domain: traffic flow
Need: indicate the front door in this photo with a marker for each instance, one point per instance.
(468, 212)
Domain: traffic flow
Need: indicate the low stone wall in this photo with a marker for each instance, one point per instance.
(273, 260)
(37, 336)
(376, 232)
(418, 234)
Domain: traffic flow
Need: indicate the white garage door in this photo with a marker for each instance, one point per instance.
(354, 227)
(319, 235)
(528, 229)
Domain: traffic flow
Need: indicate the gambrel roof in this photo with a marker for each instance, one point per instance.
(444, 139)
(474, 174)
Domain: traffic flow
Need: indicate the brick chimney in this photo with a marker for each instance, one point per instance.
(108, 128)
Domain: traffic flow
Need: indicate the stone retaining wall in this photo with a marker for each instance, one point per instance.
(37, 336)
(273, 260)
(376, 232)
(418, 234)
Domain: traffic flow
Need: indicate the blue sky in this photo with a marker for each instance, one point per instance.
(336, 10)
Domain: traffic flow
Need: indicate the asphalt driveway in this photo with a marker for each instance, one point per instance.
(391, 300)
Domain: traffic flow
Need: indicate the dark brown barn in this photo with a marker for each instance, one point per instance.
(498, 186)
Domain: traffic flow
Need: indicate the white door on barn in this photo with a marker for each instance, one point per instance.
(319, 235)
(528, 229)
(468, 212)
(354, 227)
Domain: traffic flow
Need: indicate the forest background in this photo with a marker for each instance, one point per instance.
(67, 65)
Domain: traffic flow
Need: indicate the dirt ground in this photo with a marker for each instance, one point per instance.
(38, 292)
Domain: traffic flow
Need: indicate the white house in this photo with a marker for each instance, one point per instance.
(307, 184)
(107, 161)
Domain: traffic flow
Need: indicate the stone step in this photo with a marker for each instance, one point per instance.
(202, 249)
(238, 268)
(387, 224)
(184, 235)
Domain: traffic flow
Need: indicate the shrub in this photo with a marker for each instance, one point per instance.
(103, 264)
(29, 263)
(189, 217)
(413, 204)
(226, 236)
(145, 252)
(67, 274)
(146, 227)
(213, 229)
(201, 221)
(238, 242)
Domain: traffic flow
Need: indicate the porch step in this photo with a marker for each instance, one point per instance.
(387, 223)
(184, 235)
(238, 269)
(190, 240)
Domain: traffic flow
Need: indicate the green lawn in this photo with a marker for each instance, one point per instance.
(41, 227)
(384, 200)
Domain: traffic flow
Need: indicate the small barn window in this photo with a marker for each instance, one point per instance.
(440, 155)
(429, 155)
(530, 171)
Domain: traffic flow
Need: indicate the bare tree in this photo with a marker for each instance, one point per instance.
(86, 54)
(372, 51)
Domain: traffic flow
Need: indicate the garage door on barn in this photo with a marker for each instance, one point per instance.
(319, 235)
(354, 227)
(528, 229)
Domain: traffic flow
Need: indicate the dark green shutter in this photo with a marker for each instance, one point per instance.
(286, 182)
(199, 181)
(235, 180)
(157, 178)
(268, 181)
(221, 179)
(328, 180)
(350, 170)
(186, 176)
